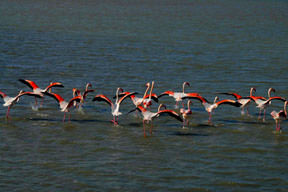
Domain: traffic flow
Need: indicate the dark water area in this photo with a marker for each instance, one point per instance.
(217, 46)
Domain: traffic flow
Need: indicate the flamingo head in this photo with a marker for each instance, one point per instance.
(147, 84)
(88, 85)
(186, 83)
(216, 99)
(147, 104)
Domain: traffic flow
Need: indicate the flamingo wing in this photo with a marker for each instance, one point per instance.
(275, 98)
(170, 93)
(54, 84)
(29, 83)
(233, 94)
(57, 97)
(2, 94)
(125, 96)
(71, 102)
(86, 92)
(171, 113)
(199, 98)
(229, 102)
(153, 96)
(103, 98)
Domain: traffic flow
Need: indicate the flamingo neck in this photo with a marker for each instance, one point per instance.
(216, 99)
(150, 95)
(251, 91)
(269, 92)
(148, 86)
(285, 108)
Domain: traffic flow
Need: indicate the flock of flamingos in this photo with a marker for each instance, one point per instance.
(142, 104)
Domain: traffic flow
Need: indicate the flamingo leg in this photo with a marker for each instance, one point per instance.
(151, 128)
(247, 111)
(210, 117)
(41, 102)
(144, 128)
(242, 111)
(64, 117)
(7, 114)
(259, 116)
(264, 114)
(36, 101)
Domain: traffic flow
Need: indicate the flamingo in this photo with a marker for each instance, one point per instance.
(186, 113)
(146, 99)
(179, 96)
(209, 107)
(148, 116)
(261, 102)
(77, 92)
(10, 101)
(114, 106)
(278, 116)
(245, 101)
(64, 105)
(37, 90)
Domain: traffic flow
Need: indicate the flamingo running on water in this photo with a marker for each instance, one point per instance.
(64, 105)
(77, 92)
(148, 116)
(114, 106)
(245, 101)
(209, 107)
(10, 101)
(278, 116)
(179, 96)
(186, 113)
(37, 90)
(146, 99)
(261, 102)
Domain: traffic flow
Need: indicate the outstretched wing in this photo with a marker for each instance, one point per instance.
(57, 97)
(229, 102)
(29, 94)
(53, 84)
(275, 98)
(171, 113)
(166, 93)
(29, 83)
(2, 94)
(153, 96)
(125, 96)
(71, 102)
(103, 98)
(233, 94)
(86, 92)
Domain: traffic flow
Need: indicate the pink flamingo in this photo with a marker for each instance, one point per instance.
(278, 116)
(186, 113)
(10, 101)
(179, 96)
(243, 100)
(114, 106)
(64, 105)
(148, 116)
(37, 90)
(209, 107)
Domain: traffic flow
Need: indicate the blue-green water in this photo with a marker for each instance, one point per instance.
(215, 45)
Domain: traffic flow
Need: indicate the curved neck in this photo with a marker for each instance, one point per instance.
(148, 86)
(183, 87)
(117, 96)
(151, 89)
(285, 107)
(269, 92)
(216, 99)
(188, 104)
(160, 106)
(251, 92)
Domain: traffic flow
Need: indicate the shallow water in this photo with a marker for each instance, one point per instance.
(216, 46)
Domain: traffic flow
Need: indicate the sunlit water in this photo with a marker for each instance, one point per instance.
(217, 46)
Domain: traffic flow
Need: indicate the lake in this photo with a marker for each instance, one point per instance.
(217, 46)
